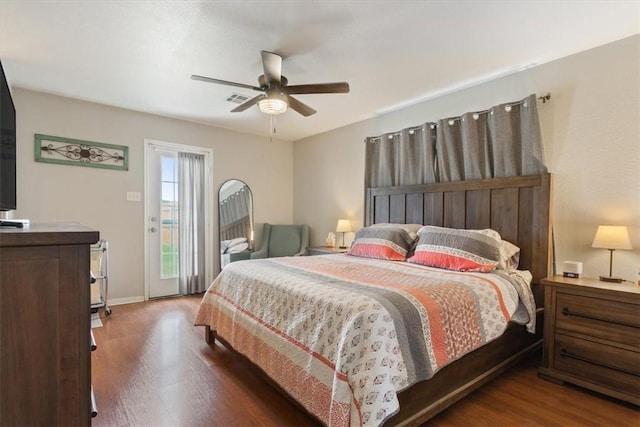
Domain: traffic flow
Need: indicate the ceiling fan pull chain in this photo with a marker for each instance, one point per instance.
(274, 124)
(272, 127)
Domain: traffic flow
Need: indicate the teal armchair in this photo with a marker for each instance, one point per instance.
(283, 240)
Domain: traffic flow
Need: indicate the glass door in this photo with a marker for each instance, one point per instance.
(163, 223)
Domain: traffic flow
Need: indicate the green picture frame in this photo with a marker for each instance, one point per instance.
(76, 152)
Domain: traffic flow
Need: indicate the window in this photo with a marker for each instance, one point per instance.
(169, 216)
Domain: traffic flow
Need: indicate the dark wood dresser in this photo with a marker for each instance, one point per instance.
(592, 335)
(45, 361)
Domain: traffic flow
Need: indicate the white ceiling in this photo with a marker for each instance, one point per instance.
(140, 55)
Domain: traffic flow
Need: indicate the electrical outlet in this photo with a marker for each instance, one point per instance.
(133, 196)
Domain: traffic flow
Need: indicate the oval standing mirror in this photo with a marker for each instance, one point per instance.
(235, 217)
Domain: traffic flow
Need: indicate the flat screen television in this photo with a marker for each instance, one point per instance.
(7, 146)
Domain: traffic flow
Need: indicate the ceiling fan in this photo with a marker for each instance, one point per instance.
(276, 94)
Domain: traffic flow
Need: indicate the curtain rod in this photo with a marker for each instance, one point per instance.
(412, 129)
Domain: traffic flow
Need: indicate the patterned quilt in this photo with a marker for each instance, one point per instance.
(343, 335)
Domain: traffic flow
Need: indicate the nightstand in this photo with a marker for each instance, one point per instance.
(592, 335)
(326, 250)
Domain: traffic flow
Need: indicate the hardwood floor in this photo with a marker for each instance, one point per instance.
(153, 368)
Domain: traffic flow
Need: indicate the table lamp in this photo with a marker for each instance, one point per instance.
(611, 237)
(344, 226)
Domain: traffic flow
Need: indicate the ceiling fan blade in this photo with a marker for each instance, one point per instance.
(272, 64)
(250, 103)
(338, 87)
(223, 82)
(300, 107)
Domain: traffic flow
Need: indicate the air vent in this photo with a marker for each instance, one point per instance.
(236, 98)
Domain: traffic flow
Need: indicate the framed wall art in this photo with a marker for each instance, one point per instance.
(68, 151)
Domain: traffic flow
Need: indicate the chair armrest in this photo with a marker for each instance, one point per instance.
(262, 253)
(302, 252)
(304, 241)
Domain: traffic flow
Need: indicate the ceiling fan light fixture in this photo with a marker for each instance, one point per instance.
(275, 98)
(273, 106)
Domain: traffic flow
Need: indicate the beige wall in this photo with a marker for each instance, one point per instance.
(97, 197)
(592, 144)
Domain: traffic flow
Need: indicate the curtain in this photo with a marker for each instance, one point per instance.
(191, 176)
(401, 158)
(516, 138)
(464, 149)
(503, 141)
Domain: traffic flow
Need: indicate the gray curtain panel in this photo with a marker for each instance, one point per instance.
(401, 158)
(516, 138)
(191, 176)
(464, 148)
(503, 141)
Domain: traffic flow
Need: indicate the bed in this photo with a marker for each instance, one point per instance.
(324, 350)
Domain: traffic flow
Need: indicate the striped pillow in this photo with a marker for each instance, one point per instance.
(390, 242)
(412, 229)
(460, 250)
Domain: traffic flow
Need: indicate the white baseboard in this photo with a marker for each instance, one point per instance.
(128, 300)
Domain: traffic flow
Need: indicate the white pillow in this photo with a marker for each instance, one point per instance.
(237, 248)
(237, 241)
(509, 256)
(226, 245)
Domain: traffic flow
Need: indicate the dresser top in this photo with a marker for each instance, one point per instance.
(592, 284)
(54, 233)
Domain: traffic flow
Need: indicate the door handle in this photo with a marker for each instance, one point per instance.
(153, 229)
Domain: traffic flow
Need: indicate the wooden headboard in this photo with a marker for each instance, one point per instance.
(517, 207)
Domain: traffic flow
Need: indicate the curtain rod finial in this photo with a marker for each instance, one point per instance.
(545, 98)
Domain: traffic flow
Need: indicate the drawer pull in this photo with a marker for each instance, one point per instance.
(566, 353)
(94, 407)
(94, 346)
(567, 312)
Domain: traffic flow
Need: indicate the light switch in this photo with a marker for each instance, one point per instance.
(133, 196)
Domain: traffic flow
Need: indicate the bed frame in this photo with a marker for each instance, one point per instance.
(519, 209)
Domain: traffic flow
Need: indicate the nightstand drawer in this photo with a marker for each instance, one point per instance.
(609, 366)
(609, 320)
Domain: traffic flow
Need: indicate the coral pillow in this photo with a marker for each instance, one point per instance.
(389, 242)
(460, 250)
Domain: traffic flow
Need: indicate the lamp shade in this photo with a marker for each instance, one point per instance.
(612, 237)
(273, 106)
(344, 226)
